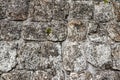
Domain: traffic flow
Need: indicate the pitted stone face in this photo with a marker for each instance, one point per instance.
(7, 55)
(3, 8)
(76, 30)
(116, 56)
(47, 10)
(107, 75)
(98, 54)
(18, 75)
(114, 31)
(17, 10)
(10, 30)
(81, 10)
(42, 55)
(103, 12)
(40, 31)
(73, 56)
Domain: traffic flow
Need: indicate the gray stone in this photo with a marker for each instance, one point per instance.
(73, 56)
(96, 33)
(18, 75)
(35, 31)
(18, 10)
(44, 75)
(45, 10)
(114, 31)
(44, 55)
(116, 56)
(58, 31)
(81, 10)
(7, 55)
(98, 54)
(10, 30)
(39, 31)
(103, 12)
(3, 8)
(77, 30)
(107, 75)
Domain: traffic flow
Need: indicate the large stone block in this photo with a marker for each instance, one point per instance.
(45, 10)
(33, 56)
(73, 56)
(103, 12)
(53, 31)
(18, 10)
(98, 55)
(8, 52)
(10, 30)
(81, 10)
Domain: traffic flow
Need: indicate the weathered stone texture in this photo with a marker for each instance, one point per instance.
(33, 56)
(46, 10)
(8, 54)
(116, 56)
(10, 30)
(59, 40)
(103, 12)
(81, 10)
(53, 31)
(17, 10)
(3, 8)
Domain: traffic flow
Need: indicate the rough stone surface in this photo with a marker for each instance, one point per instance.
(116, 56)
(3, 8)
(18, 10)
(103, 12)
(40, 31)
(10, 30)
(59, 39)
(8, 54)
(33, 56)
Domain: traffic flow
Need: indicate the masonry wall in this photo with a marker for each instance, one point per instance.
(59, 40)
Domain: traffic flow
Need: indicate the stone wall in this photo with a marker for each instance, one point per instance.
(59, 40)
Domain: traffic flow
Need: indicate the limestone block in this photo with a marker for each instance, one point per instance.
(46, 10)
(18, 75)
(43, 55)
(116, 56)
(103, 12)
(10, 30)
(18, 10)
(81, 10)
(98, 54)
(8, 54)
